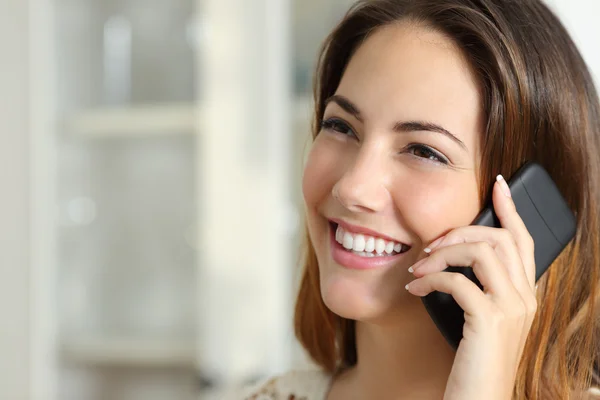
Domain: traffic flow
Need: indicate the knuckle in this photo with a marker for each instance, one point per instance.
(525, 308)
(506, 237)
(451, 237)
(483, 248)
(522, 309)
(529, 240)
(458, 279)
(455, 236)
(531, 305)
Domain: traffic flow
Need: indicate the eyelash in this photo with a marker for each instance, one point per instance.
(334, 124)
(339, 126)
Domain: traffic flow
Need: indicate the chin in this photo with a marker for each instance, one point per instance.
(361, 297)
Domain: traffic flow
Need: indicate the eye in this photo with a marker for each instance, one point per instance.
(426, 152)
(337, 125)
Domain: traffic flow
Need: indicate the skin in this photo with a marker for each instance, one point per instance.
(364, 172)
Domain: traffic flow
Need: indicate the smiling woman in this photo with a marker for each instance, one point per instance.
(419, 106)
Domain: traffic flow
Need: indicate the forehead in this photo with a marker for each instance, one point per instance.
(405, 71)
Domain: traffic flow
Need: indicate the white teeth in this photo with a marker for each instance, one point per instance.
(379, 246)
(363, 254)
(389, 247)
(359, 243)
(347, 241)
(366, 246)
(370, 244)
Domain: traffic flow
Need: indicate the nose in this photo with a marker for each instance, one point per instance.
(363, 187)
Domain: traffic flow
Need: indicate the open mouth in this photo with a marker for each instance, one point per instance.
(365, 245)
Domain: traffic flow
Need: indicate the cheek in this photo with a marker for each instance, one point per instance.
(321, 171)
(438, 203)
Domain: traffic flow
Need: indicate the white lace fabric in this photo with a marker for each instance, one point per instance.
(314, 385)
(294, 385)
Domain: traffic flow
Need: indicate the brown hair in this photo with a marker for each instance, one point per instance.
(541, 105)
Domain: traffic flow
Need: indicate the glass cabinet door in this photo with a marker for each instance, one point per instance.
(153, 295)
(126, 87)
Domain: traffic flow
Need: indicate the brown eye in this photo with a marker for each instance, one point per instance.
(337, 125)
(422, 151)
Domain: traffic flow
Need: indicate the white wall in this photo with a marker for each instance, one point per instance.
(581, 19)
(14, 200)
(243, 187)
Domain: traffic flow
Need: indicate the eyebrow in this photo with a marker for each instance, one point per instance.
(402, 126)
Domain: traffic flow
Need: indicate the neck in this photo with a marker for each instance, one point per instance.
(404, 356)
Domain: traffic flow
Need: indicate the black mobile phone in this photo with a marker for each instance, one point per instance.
(549, 221)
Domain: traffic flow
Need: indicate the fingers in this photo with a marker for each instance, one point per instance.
(480, 256)
(511, 221)
(513, 243)
(466, 294)
(502, 259)
(501, 241)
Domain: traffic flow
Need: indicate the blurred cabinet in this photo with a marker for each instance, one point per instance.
(126, 291)
(135, 254)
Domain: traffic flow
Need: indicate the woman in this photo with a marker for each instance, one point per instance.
(420, 105)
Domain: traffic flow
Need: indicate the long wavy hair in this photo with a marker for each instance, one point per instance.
(541, 105)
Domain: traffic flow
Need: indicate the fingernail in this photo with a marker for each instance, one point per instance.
(406, 287)
(503, 185)
(416, 265)
(433, 245)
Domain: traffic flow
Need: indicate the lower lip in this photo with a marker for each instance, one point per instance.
(350, 260)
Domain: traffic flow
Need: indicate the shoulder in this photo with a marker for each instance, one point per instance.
(310, 384)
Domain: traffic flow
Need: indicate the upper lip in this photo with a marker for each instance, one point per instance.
(365, 231)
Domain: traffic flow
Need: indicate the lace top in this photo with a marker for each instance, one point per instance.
(313, 385)
(294, 385)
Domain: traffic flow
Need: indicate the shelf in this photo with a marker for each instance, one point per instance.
(151, 119)
(134, 120)
(130, 352)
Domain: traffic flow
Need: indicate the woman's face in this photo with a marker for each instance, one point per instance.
(393, 167)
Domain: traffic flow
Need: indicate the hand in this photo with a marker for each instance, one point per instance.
(497, 319)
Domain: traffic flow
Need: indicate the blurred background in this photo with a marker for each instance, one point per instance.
(151, 155)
